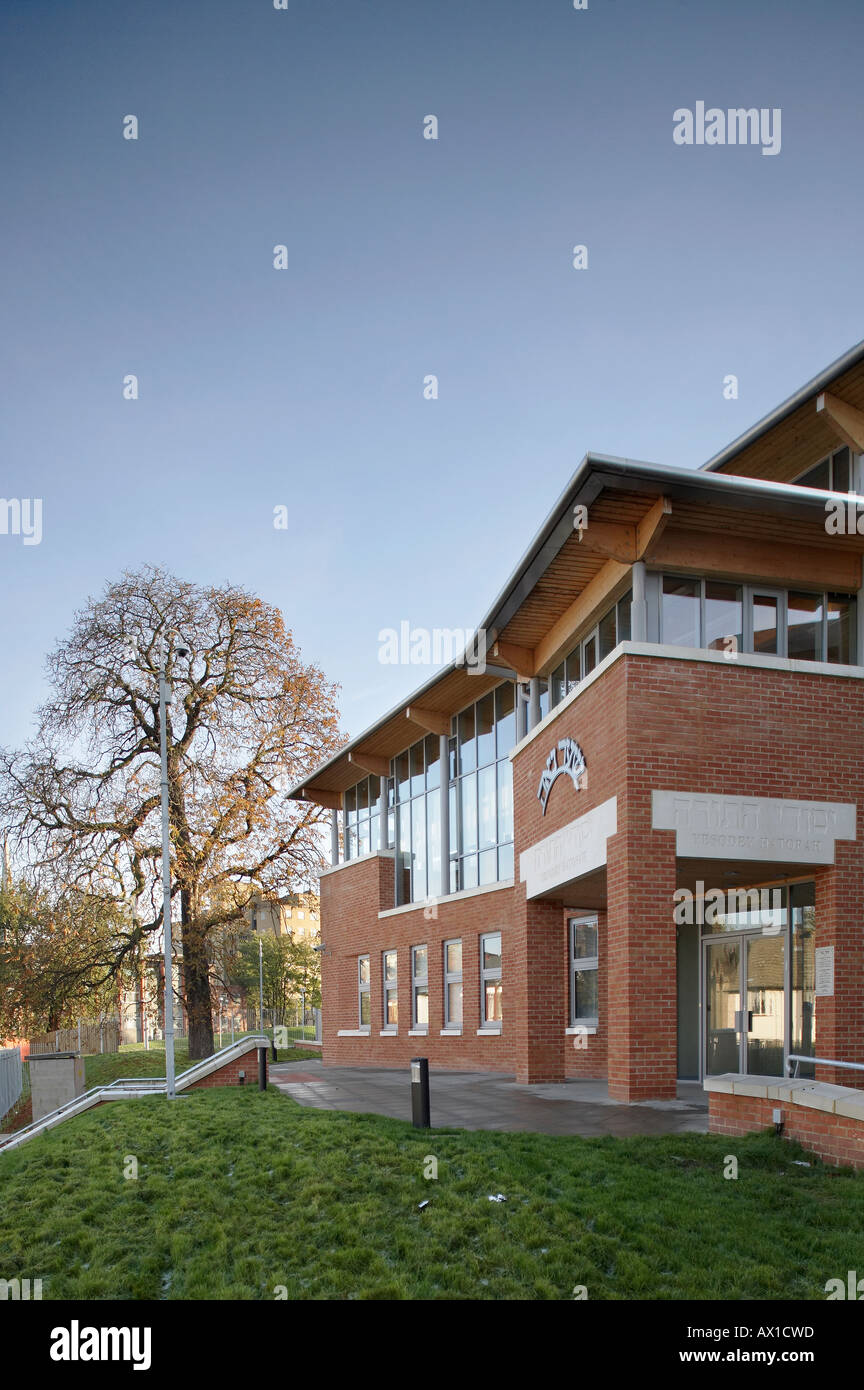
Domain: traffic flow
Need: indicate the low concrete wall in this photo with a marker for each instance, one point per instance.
(827, 1120)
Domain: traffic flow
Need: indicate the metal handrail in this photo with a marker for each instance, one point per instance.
(798, 1058)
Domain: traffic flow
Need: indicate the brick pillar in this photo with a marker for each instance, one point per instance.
(535, 990)
(641, 957)
(840, 923)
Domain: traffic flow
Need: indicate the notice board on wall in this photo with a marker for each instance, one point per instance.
(824, 971)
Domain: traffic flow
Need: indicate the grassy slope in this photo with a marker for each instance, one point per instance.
(131, 1060)
(238, 1193)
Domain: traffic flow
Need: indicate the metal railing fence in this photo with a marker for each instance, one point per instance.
(11, 1078)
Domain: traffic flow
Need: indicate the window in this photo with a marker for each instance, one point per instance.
(804, 626)
(364, 1009)
(419, 987)
(490, 979)
(831, 474)
(680, 612)
(723, 621)
(595, 646)
(362, 814)
(452, 984)
(721, 616)
(417, 817)
(391, 1001)
(481, 791)
(583, 971)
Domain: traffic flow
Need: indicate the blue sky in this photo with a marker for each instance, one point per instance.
(407, 257)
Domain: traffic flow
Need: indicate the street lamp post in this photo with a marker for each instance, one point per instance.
(164, 700)
(261, 982)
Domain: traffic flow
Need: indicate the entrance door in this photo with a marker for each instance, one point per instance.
(765, 973)
(722, 977)
(744, 979)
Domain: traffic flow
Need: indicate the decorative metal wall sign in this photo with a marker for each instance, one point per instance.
(572, 763)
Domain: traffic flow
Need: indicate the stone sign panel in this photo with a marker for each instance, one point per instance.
(577, 849)
(752, 827)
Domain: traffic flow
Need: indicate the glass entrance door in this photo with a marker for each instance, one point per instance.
(765, 970)
(722, 1006)
(744, 992)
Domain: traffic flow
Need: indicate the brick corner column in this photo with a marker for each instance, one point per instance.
(840, 924)
(642, 965)
(536, 987)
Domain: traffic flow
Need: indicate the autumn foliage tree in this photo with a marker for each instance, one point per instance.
(248, 719)
(56, 957)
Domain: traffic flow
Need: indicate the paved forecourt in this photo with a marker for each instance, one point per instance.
(478, 1100)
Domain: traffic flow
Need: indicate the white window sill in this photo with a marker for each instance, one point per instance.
(488, 1032)
(389, 1033)
(589, 1028)
(353, 1033)
(450, 1033)
(418, 1032)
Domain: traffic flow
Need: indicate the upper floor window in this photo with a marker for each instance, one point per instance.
(362, 814)
(702, 613)
(481, 791)
(595, 646)
(831, 474)
(417, 811)
(720, 616)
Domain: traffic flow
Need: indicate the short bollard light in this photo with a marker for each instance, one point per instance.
(420, 1092)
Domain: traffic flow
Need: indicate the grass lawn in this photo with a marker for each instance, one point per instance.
(238, 1193)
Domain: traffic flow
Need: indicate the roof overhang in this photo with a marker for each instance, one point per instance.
(601, 481)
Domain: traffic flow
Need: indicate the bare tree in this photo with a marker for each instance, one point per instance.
(248, 719)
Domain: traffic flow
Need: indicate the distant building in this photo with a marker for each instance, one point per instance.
(295, 914)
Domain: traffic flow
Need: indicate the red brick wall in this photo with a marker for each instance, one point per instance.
(229, 1074)
(350, 901)
(647, 724)
(834, 1138)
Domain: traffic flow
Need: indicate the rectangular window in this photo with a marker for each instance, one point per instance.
(419, 987)
(452, 984)
(490, 979)
(505, 718)
(606, 634)
(624, 606)
(723, 617)
(583, 972)
(558, 685)
(804, 626)
(839, 636)
(766, 624)
(364, 1011)
(391, 1001)
(680, 613)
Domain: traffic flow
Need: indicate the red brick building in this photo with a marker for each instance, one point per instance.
(621, 836)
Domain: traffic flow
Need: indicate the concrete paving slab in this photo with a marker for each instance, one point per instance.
(484, 1100)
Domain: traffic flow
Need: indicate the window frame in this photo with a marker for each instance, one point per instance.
(453, 977)
(419, 981)
(389, 987)
(487, 975)
(581, 965)
(364, 989)
(829, 459)
(749, 592)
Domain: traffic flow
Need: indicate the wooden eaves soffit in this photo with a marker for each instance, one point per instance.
(846, 420)
(621, 546)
